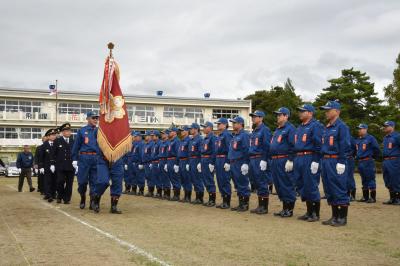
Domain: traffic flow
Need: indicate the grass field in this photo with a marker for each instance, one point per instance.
(152, 232)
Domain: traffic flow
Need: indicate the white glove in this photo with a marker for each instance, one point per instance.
(150, 165)
(176, 168)
(289, 166)
(76, 170)
(211, 167)
(140, 166)
(41, 170)
(126, 167)
(263, 165)
(187, 168)
(52, 168)
(199, 167)
(19, 170)
(227, 167)
(244, 169)
(75, 164)
(314, 167)
(166, 168)
(340, 168)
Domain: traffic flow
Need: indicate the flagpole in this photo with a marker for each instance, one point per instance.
(56, 103)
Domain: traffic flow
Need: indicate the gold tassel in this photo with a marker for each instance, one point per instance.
(114, 154)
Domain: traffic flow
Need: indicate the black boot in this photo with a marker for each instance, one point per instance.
(127, 189)
(396, 199)
(372, 199)
(226, 202)
(365, 196)
(211, 200)
(158, 194)
(342, 220)
(141, 191)
(114, 202)
(197, 200)
(83, 201)
(335, 215)
(240, 204)
(353, 195)
(96, 203)
(91, 198)
(177, 193)
(271, 188)
(263, 205)
(305, 217)
(150, 193)
(188, 196)
(133, 191)
(284, 207)
(167, 194)
(315, 207)
(289, 210)
(245, 204)
(390, 201)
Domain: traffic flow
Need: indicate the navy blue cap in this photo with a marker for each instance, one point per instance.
(207, 124)
(258, 113)
(194, 125)
(282, 110)
(222, 120)
(167, 131)
(331, 105)
(135, 133)
(155, 132)
(362, 126)
(174, 129)
(306, 108)
(237, 119)
(51, 132)
(92, 114)
(184, 128)
(389, 124)
(147, 132)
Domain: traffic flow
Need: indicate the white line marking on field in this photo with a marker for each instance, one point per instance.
(131, 247)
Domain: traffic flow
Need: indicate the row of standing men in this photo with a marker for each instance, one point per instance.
(291, 159)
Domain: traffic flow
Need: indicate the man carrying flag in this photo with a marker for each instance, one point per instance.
(113, 136)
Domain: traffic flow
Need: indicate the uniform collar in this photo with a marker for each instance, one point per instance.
(334, 123)
(309, 122)
(259, 126)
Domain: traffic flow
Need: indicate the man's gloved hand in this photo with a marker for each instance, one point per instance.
(126, 167)
(227, 167)
(76, 170)
(19, 170)
(244, 169)
(314, 167)
(176, 168)
(75, 164)
(140, 166)
(166, 168)
(263, 165)
(187, 167)
(211, 167)
(199, 167)
(340, 168)
(52, 168)
(41, 170)
(288, 166)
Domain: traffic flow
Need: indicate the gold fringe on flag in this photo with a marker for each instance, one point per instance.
(113, 154)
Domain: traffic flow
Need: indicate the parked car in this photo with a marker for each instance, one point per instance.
(2, 171)
(12, 170)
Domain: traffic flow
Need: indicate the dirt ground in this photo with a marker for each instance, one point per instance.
(33, 232)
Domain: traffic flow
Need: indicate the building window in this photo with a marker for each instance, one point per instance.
(8, 133)
(226, 113)
(76, 108)
(20, 106)
(30, 133)
(194, 113)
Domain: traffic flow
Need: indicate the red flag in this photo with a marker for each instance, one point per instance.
(114, 136)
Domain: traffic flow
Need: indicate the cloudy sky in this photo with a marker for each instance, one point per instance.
(226, 47)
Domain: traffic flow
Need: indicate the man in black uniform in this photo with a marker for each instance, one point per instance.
(46, 164)
(64, 169)
(38, 154)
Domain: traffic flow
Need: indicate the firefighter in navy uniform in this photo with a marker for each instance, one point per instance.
(38, 154)
(351, 163)
(335, 145)
(194, 161)
(65, 171)
(155, 168)
(46, 164)
(183, 156)
(146, 155)
(84, 155)
(173, 163)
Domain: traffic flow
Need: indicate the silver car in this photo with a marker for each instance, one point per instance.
(12, 170)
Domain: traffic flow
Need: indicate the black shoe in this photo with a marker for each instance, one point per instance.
(289, 211)
(335, 215)
(372, 199)
(243, 205)
(50, 199)
(365, 197)
(342, 220)
(127, 189)
(158, 194)
(133, 191)
(353, 195)
(31, 189)
(226, 202)
(91, 199)
(66, 202)
(167, 194)
(82, 204)
(211, 200)
(96, 203)
(390, 201)
(315, 208)
(240, 203)
(396, 199)
(58, 200)
(141, 191)
(197, 200)
(114, 202)
(305, 217)
(176, 196)
(284, 208)
(150, 193)
(262, 206)
(46, 197)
